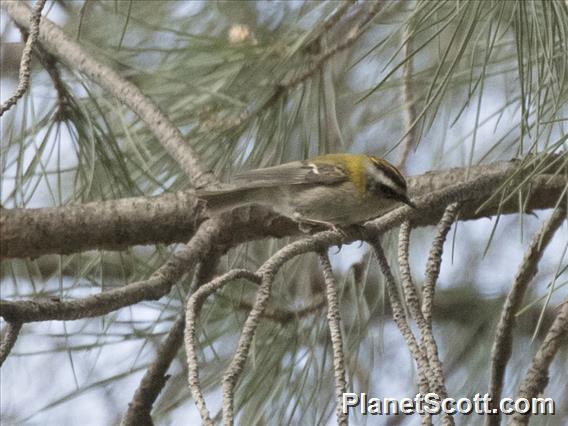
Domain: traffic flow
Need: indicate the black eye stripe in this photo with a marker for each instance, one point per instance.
(387, 190)
(382, 189)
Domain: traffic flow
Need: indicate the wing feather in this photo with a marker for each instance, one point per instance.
(293, 173)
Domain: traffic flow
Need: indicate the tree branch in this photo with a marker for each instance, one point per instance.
(424, 321)
(25, 69)
(408, 287)
(99, 225)
(172, 218)
(237, 364)
(351, 37)
(435, 260)
(537, 376)
(503, 343)
(423, 367)
(193, 308)
(409, 103)
(228, 232)
(283, 316)
(334, 322)
(155, 378)
(61, 46)
(428, 343)
(315, 243)
(206, 241)
(8, 340)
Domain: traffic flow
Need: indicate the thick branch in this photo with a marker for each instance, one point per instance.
(229, 231)
(98, 225)
(172, 218)
(61, 46)
(205, 241)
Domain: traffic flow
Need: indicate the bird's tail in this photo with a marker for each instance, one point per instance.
(227, 199)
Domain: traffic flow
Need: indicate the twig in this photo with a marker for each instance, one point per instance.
(317, 243)
(503, 343)
(409, 106)
(423, 369)
(352, 36)
(409, 290)
(49, 63)
(428, 343)
(25, 69)
(57, 42)
(194, 304)
(285, 316)
(537, 376)
(155, 379)
(334, 322)
(435, 259)
(281, 87)
(237, 364)
(9, 337)
(337, 14)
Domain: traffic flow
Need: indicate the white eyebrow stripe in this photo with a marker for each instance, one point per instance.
(385, 180)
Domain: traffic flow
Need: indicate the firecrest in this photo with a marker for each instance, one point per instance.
(332, 190)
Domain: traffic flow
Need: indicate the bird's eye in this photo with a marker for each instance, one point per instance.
(388, 192)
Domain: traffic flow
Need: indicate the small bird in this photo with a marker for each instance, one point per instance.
(331, 190)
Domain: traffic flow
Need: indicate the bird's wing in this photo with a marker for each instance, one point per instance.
(293, 173)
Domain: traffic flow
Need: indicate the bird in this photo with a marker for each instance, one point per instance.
(330, 190)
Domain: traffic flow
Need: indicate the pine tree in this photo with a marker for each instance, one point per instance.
(120, 292)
